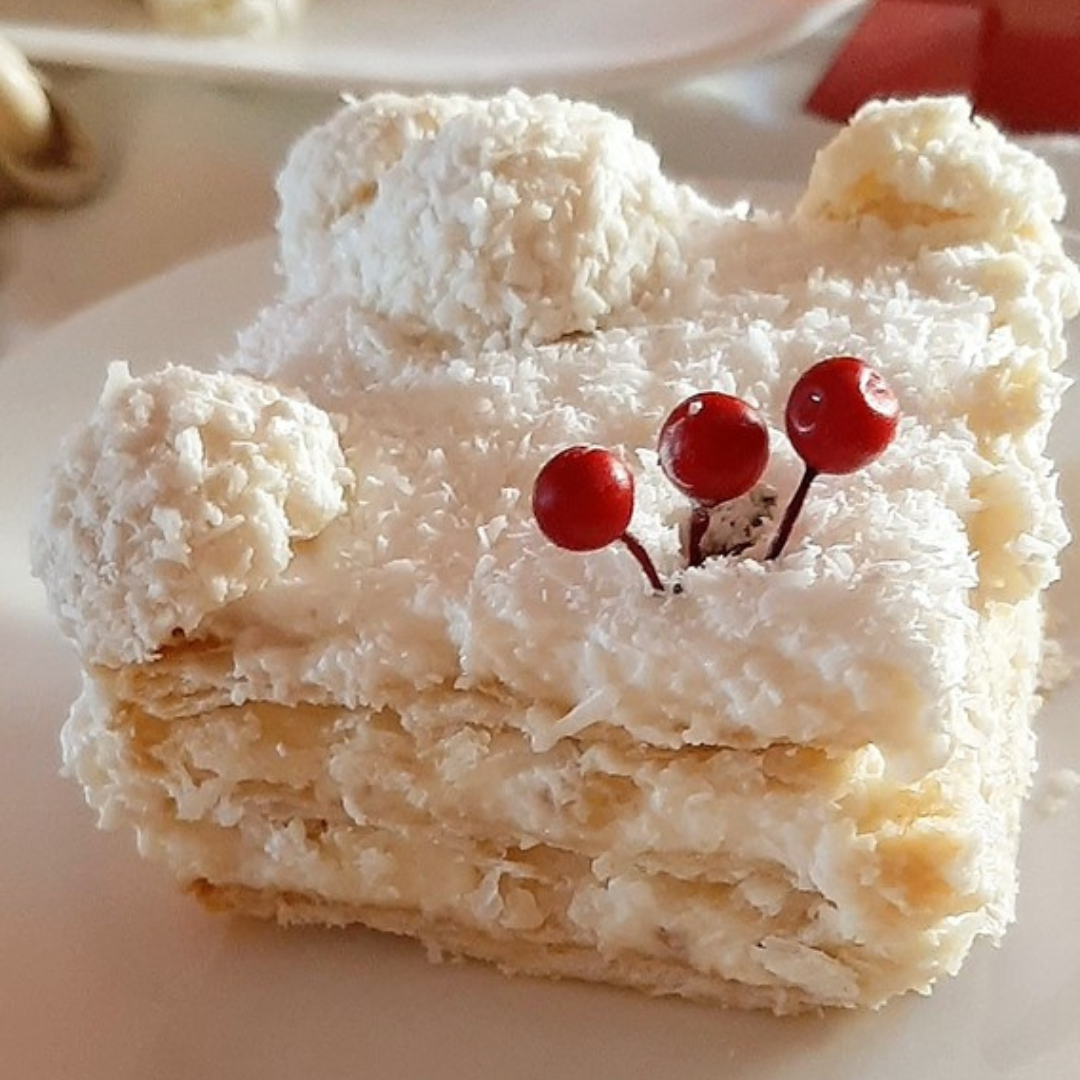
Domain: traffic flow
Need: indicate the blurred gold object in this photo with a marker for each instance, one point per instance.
(44, 156)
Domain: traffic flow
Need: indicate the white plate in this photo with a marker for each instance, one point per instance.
(107, 973)
(339, 44)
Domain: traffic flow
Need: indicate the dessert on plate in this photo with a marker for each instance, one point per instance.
(335, 672)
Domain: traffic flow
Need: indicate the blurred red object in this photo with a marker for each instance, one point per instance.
(1018, 63)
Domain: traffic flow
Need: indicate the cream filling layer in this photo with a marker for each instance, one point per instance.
(791, 865)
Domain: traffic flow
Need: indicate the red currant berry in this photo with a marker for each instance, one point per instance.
(841, 415)
(583, 498)
(713, 447)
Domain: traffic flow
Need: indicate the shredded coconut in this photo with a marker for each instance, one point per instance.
(183, 492)
(926, 163)
(434, 573)
(502, 220)
(803, 774)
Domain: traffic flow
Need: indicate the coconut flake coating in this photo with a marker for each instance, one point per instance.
(182, 493)
(928, 163)
(802, 775)
(432, 571)
(331, 177)
(504, 220)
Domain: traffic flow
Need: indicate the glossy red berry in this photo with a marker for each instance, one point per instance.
(583, 498)
(713, 447)
(841, 415)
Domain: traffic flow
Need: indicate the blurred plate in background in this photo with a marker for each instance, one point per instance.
(343, 44)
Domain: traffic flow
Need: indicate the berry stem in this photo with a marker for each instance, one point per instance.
(791, 513)
(699, 524)
(637, 549)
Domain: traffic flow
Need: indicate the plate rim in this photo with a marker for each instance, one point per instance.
(292, 62)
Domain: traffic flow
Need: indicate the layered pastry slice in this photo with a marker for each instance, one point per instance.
(335, 673)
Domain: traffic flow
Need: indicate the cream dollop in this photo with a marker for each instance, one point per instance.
(928, 163)
(512, 219)
(183, 492)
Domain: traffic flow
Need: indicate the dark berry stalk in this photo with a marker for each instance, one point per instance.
(794, 507)
(840, 416)
(583, 499)
(637, 549)
(699, 525)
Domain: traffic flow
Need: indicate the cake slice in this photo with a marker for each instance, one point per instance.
(334, 673)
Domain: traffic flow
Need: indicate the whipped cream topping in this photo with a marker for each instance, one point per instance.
(182, 493)
(450, 391)
(514, 218)
(929, 164)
